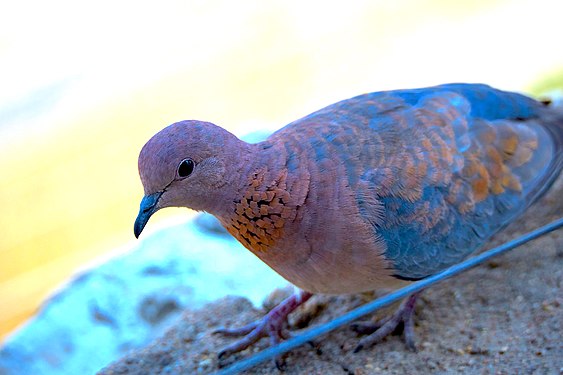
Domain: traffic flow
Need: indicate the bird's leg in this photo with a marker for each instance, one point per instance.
(270, 325)
(384, 327)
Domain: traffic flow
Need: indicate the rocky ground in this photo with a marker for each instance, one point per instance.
(503, 317)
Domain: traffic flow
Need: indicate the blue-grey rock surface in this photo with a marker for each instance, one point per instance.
(128, 301)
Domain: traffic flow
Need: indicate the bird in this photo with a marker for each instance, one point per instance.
(369, 193)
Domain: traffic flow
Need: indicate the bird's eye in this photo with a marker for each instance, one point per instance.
(186, 168)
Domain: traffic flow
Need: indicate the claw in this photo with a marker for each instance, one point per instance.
(367, 328)
(270, 325)
(241, 344)
(285, 334)
(384, 327)
(280, 364)
(235, 332)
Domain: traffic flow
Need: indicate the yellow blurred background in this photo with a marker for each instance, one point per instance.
(84, 84)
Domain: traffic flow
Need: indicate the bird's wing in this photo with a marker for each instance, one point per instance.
(456, 163)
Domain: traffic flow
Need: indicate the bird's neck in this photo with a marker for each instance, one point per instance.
(262, 203)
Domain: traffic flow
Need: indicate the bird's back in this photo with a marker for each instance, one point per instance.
(435, 172)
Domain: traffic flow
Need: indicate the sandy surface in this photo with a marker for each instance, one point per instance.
(503, 317)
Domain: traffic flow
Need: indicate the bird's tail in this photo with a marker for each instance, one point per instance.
(554, 127)
(552, 122)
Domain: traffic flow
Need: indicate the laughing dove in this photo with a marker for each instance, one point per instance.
(368, 193)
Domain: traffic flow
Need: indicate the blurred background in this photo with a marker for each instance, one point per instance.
(83, 85)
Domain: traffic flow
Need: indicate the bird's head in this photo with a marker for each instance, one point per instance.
(186, 165)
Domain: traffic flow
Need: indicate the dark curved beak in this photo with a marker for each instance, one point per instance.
(148, 207)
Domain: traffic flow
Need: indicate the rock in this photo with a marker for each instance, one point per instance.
(131, 300)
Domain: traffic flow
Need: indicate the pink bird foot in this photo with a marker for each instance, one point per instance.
(384, 327)
(270, 325)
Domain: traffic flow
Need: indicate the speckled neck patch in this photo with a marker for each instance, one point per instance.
(259, 217)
